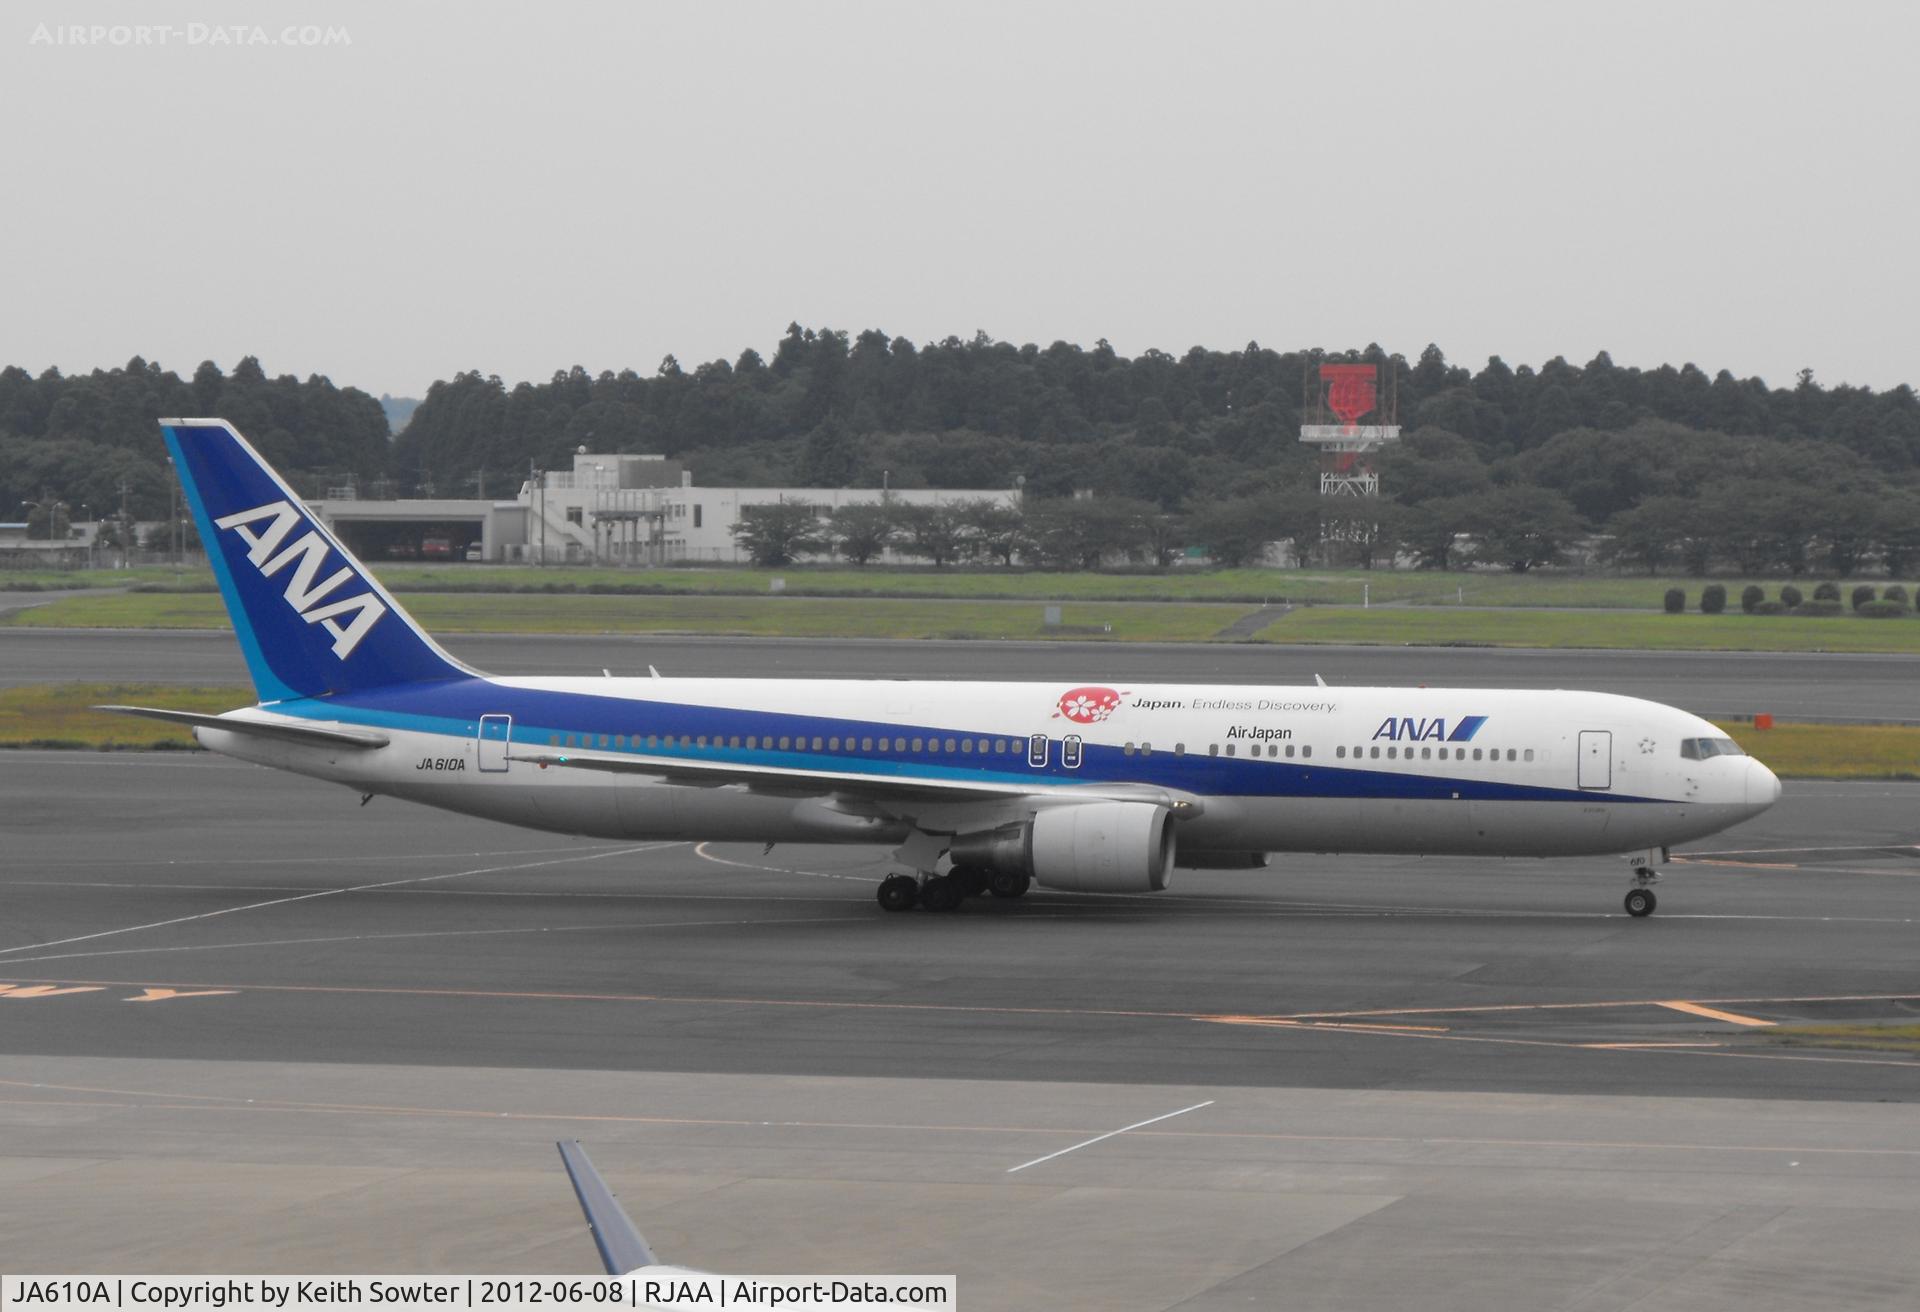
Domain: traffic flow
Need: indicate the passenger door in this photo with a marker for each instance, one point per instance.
(1596, 758)
(496, 731)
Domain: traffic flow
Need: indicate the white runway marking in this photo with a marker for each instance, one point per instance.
(329, 892)
(700, 850)
(1088, 1143)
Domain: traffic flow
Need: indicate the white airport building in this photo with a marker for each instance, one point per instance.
(608, 509)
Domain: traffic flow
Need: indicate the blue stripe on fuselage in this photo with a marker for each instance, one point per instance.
(453, 708)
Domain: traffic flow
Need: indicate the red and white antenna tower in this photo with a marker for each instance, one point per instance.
(1337, 397)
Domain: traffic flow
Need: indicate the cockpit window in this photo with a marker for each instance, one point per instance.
(1699, 749)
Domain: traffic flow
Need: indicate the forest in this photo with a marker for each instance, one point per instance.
(1674, 467)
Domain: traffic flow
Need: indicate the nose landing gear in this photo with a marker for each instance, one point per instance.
(1640, 900)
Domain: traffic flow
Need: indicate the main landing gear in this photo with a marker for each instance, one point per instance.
(948, 891)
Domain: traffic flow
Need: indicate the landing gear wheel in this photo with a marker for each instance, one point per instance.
(939, 894)
(970, 880)
(898, 893)
(1641, 902)
(1002, 883)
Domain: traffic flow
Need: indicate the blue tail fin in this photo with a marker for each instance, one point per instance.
(311, 619)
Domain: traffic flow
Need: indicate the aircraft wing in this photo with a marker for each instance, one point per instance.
(614, 1234)
(847, 783)
(357, 739)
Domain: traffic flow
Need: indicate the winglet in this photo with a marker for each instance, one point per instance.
(621, 1247)
(1317, 679)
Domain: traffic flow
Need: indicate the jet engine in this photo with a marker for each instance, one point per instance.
(1093, 847)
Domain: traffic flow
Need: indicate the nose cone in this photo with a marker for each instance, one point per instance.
(1763, 785)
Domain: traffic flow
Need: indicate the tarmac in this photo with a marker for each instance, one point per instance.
(249, 1025)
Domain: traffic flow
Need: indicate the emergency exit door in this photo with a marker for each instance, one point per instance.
(1596, 758)
(495, 732)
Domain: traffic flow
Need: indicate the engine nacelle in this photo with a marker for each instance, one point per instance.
(1095, 847)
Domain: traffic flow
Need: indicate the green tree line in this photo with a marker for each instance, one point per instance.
(78, 438)
(1680, 469)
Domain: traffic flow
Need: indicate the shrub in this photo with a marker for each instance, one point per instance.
(1880, 610)
(1862, 594)
(1713, 599)
(1894, 592)
(1828, 591)
(1676, 601)
(1791, 596)
(1750, 596)
(1770, 608)
(1820, 608)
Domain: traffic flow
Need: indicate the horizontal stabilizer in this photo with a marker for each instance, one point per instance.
(358, 739)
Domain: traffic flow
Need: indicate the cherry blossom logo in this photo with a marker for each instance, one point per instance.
(1089, 705)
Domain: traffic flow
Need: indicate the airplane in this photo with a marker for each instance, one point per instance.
(980, 787)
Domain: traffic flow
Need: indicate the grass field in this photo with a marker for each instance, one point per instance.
(1419, 588)
(1833, 751)
(801, 617)
(57, 715)
(1878, 1038)
(1603, 629)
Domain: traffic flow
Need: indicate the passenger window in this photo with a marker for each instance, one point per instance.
(1289, 750)
(1340, 752)
(1229, 749)
(753, 742)
(1529, 755)
(882, 744)
(1510, 753)
(900, 744)
(1376, 753)
(785, 742)
(702, 740)
(1426, 753)
(966, 747)
(1476, 753)
(1393, 752)
(1128, 750)
(1213, 749)
(918, 745)
(553, 740)
(1070, 751)
(816, 744)
(1179, 749)
(950, 746)
(833, 744)
(983, 747)
(866, 744)
(620, 740)
(999, 746)
(1037, 751)
(1146, 749)
(734, 741)
(1304, 751)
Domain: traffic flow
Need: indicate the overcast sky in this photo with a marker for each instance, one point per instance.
(524, 188)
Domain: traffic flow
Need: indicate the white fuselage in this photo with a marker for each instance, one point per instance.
(1441, 771)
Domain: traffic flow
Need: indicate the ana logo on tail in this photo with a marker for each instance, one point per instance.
(306, 554)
